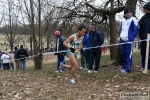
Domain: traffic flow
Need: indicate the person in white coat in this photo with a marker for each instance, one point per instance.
(5, 61)
(128, 32)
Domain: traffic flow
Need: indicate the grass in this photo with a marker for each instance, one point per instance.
(21, 42)
(45, 84)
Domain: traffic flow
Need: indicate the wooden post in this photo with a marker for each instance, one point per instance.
(145, 71)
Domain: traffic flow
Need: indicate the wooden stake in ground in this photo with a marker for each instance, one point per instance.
(145, 71)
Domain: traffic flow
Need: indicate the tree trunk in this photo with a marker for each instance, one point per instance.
(10, 29)
(40, 49)
(11, 47)
(113, 36)
(36, 58)
(48, 42)
(113, 32)
(31, 42)
(132, 5)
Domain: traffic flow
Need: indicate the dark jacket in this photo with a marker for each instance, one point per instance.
(144, 24)
(16, 53)
(60, 46)
(22, 53)
(96, 39)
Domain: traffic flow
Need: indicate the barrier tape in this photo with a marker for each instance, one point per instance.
(109, 45)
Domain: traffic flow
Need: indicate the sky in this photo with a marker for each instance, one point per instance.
(139, 12)
(4, 7)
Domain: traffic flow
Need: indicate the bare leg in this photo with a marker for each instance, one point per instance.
(73, 66)
(67, 66)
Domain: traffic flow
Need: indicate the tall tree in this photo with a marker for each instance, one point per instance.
(132, 5)
(35, 44)
(11, 23)
(98, 15)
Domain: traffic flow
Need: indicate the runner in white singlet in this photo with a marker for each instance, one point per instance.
(75, 42)
(76, 45)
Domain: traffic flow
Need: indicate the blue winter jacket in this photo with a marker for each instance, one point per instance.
(96, 39)
(144, 24)
(86, 42)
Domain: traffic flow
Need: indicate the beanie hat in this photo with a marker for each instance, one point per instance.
(57, 33)
(147, 6)
(127, 10)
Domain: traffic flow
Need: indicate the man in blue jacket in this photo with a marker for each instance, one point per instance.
(144, 29)
(129, 30)
(86, 44)
(96, 40)
(59, 47)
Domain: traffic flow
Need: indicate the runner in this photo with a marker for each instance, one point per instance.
(75, 41)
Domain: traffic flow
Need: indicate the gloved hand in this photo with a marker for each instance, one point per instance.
(81, 50)
(72, 50)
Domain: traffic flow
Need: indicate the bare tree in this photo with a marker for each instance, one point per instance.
(11, 23)
(42, 17)
(105, 13)
(132, 5)
(36, 24)
(30, 13)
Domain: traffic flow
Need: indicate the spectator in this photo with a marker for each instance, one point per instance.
(59, 47)
(30, 54)
(16, 58)
(144, 29)
(11, 60)
(5, 60)
(96, 39)
(86, 44)
(82, 59)
(0, 61)
(129, 30)
(27, 52)
(22, 54)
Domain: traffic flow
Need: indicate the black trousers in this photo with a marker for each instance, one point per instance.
(87, 58)
(82, 59)
(6, 66)
(95, 57)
